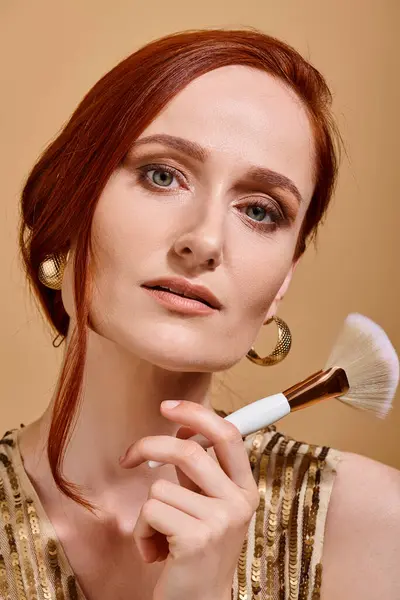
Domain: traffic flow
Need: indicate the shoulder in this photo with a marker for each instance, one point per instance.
(366, 492)
(362, 536)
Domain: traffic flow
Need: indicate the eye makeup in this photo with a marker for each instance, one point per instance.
(281, 209)
(145, 180)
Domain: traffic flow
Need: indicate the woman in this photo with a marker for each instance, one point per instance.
(173, 209)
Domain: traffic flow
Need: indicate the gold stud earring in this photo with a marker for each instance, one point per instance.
(51, 270)
(281, 349)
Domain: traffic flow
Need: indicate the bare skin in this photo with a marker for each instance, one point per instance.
(214, 224)
(362, 537)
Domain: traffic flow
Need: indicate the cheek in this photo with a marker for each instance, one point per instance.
(129, 226)
(259, 275)
(122, 233)
(127, 232)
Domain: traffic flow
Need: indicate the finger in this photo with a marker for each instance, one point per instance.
(191, 459)
(182, 478)
(186, 482)
(184, 433)
(157, 517)
(225, 437)
(193, 504)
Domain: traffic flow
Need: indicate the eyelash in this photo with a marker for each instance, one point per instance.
(276, 213)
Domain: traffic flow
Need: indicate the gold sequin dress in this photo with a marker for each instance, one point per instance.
(280, 558)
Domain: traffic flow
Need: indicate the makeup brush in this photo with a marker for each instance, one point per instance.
(362, 371)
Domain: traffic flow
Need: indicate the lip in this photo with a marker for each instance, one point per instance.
(183, 286)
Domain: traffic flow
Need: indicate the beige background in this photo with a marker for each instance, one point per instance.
(53, 52)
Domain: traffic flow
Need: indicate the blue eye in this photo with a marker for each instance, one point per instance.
(262, 213)
(161, 177)
(257, 213)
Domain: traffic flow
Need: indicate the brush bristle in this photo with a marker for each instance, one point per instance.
(365, 352)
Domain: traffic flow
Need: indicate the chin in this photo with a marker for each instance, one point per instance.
(173, 348)
(180, 357)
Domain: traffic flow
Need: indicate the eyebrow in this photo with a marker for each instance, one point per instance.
(259, 174)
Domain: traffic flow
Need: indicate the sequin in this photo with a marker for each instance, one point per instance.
(278, 559)
(29, 567)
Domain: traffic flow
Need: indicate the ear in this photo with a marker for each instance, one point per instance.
(273, 309)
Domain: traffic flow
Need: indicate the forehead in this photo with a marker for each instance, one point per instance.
(244, 116)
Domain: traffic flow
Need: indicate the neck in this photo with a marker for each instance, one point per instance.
(120, 404)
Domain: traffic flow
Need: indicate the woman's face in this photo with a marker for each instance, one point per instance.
(214, 193)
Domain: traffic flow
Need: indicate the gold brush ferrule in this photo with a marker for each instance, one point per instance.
(319, 386)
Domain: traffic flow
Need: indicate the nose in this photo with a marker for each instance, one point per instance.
(200, 246)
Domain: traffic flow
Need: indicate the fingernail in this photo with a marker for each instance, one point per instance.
(170, 403)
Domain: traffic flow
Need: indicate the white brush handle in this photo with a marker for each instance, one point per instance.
(248, 419)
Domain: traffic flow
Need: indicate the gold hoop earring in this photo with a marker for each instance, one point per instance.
(51, 270)
(281, 349)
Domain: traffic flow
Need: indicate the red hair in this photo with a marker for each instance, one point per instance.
(61, 192)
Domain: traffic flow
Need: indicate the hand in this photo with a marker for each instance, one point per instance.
(197, 527)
